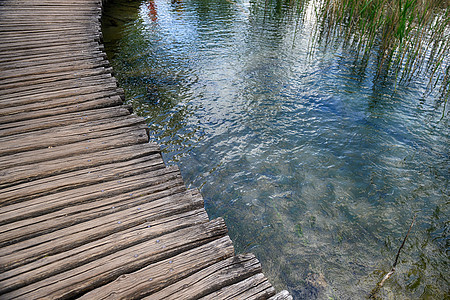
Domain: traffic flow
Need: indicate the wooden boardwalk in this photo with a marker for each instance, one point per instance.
(87, 207)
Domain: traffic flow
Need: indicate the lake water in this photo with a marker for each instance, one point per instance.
(316, 166)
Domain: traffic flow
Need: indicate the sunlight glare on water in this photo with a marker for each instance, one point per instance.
(317, 167)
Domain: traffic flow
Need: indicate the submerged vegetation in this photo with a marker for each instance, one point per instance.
(315, 157)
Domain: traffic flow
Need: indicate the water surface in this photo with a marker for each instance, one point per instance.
(317, 166)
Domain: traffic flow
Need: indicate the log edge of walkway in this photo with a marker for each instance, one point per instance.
(88, 209)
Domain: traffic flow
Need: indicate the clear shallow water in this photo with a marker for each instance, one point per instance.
(316, 167)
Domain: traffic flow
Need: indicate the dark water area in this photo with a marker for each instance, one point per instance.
(316, 165)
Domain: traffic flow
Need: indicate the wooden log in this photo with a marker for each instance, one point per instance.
(58, 263)
(211, 279)
(255, 287)
(74, 282)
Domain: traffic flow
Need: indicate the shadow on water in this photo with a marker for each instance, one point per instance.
(316, 163)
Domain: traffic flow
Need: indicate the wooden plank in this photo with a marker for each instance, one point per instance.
(15, 39)
(93, 30)
(39, 38)
(159, 275)
(67, 238)
(42, 92)
(48, 64)
(76, 101)
(86, 146)
(47, 7)
(63, 120)
(52, 137)
(42, 110)
(50, 203)
(45, 59)
(87, 208)
(23, 69)
(62, 89)
(46, 49)
(65, 181)
(165, 185)
(62, 7)
(283, 295)
(255, 287)
(25, 20)
(28, 25)
(20, 174)
(74, 282)
(30, 82)
(89, 3)
(211, 279)
(56, 67)
(40, 13)
(24, 44)
(58, 263)
(45, 11)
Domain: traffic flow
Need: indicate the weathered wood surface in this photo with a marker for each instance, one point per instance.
(87, 206)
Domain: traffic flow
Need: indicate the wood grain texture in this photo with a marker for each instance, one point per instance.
(253, 288)
(58, 263)
(189, 242)
(160, 274)
(283, 295)
(211, 279)
(88, 207)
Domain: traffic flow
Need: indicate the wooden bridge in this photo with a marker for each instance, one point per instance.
(87, 207)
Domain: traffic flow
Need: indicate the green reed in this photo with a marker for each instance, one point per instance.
(408, 38)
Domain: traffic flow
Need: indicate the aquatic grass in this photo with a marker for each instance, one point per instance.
(405, 38)
(408, 38)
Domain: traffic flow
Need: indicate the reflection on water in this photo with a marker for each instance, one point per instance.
(317, 167)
